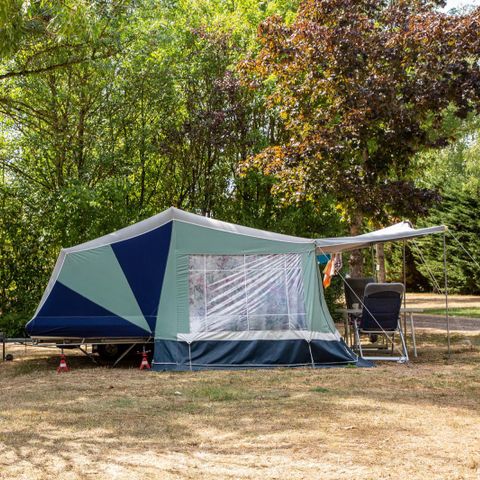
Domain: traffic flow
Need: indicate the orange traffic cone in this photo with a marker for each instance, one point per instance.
(63, 364)
(144, 364)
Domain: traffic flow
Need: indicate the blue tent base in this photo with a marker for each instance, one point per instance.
(196, 368)
(361, 362)
(232, 355)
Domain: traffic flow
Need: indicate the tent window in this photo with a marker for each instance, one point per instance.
(246, 292)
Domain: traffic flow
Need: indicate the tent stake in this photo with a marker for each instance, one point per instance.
(447, 317)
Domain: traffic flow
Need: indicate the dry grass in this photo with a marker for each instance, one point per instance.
(434, 300)
(395, 421)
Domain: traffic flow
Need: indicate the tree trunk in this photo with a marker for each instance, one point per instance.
(356, 258)
(380, 257)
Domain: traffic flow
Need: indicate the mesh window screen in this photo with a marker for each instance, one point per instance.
(246, 292)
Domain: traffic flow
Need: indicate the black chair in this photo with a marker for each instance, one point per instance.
(355, 289)
(381, 316)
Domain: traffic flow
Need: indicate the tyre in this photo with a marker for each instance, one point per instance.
(110, 351)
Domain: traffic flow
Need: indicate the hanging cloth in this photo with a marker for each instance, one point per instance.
(332, 268)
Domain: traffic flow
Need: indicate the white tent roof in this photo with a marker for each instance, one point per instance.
(158, 220)
(399, 231)
(327, 245)
(180, 216)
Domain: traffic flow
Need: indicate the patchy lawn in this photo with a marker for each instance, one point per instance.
(470, 312)
(416, 421)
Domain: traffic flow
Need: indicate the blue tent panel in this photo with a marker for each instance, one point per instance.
(66, 313)
(143, 260)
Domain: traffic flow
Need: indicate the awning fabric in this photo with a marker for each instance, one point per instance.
(399, 231)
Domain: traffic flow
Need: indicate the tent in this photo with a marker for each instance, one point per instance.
(209, 294)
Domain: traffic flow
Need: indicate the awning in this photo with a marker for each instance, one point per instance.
(399, 231)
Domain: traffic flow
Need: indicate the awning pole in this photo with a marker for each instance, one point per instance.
(447, 317)
(404, 268)
(374, 266)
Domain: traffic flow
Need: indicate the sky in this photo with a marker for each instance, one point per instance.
(461, 3)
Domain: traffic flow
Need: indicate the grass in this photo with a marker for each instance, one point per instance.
(319, 390)
(472, 312)
(213, 393)
(95, 422)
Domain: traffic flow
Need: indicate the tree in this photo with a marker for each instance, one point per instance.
(455, 172)
(43, 36)
(459, 211)
(457, 166)
(111, 112)
(361, 87)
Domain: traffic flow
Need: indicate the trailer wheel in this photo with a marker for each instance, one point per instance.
(110, 351)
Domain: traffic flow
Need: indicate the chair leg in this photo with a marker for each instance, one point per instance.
(414, 341)
(358, 341)
(404, 346)
(353, 333)
(346, 332)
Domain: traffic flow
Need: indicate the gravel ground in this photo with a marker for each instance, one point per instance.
(438, 322)
(433, 300)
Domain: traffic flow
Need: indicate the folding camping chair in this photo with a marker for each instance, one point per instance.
(381, 316)
(354, 290)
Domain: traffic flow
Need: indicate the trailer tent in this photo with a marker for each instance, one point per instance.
(210, 294)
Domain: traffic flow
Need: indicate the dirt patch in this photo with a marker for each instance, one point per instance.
(395, 421)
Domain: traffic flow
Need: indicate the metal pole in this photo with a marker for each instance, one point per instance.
(374, 269)
(404, 274)
(447, 318)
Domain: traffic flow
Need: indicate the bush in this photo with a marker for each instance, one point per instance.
(13, 324)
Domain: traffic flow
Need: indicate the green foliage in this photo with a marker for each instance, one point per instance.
(252, 203)
(455, 172)
(12, 324)
(456, 166)
(334, 296)
(42, 36)
(111, 112)
(359, 88)
(459, 211)
(25, 258)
